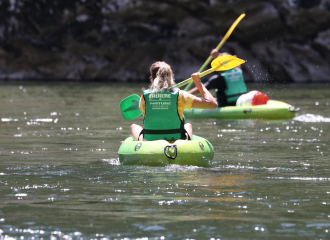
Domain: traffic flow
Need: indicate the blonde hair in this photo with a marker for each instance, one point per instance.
(163, 76)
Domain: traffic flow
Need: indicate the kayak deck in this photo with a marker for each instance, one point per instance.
(273, 110)
(195, 152)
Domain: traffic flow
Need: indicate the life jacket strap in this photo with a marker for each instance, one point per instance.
(166, 131)
(163, 131)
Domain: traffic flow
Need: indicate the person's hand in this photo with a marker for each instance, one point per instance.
(214, 53)
(195, 77)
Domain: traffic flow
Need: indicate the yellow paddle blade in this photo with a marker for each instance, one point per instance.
(222, 63)
(226, 62)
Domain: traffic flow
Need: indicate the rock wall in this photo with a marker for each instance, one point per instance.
(117, 40)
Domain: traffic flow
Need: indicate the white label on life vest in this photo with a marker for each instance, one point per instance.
(233, 76)
(159, 105)
(160, 100)
(159, 96)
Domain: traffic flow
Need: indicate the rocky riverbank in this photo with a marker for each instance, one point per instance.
(117, 40)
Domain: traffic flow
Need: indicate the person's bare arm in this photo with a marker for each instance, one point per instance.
(193, 91)
(207, 101)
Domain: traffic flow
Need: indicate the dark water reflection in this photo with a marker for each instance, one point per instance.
(60, 177)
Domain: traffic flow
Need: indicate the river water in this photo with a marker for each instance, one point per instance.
(60, 177)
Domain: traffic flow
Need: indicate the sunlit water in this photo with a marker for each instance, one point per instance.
(60, 177)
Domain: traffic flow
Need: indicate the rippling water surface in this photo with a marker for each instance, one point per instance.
(60, 177)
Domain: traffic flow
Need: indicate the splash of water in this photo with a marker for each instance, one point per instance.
(113, 161)
(311, 118)
(178, 168)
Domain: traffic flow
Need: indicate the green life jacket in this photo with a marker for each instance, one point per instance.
(161, 120)
(235, 84)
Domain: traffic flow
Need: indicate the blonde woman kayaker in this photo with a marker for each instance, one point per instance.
(163, 109)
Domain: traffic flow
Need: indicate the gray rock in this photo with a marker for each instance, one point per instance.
(118, 40)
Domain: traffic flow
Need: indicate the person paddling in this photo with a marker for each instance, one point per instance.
(229, 85)
(162, 106)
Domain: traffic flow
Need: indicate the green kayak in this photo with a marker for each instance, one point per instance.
(273, 110)
(195, 152)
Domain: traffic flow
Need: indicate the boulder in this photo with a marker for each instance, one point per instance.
(118, 40)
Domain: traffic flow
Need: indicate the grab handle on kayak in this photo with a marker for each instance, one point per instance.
(168, 147)
(293, 109)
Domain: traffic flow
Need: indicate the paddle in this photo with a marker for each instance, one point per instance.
(222, 63)
(130, 106)
(230, 30)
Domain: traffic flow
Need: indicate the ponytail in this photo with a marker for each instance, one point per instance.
(163, 76)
